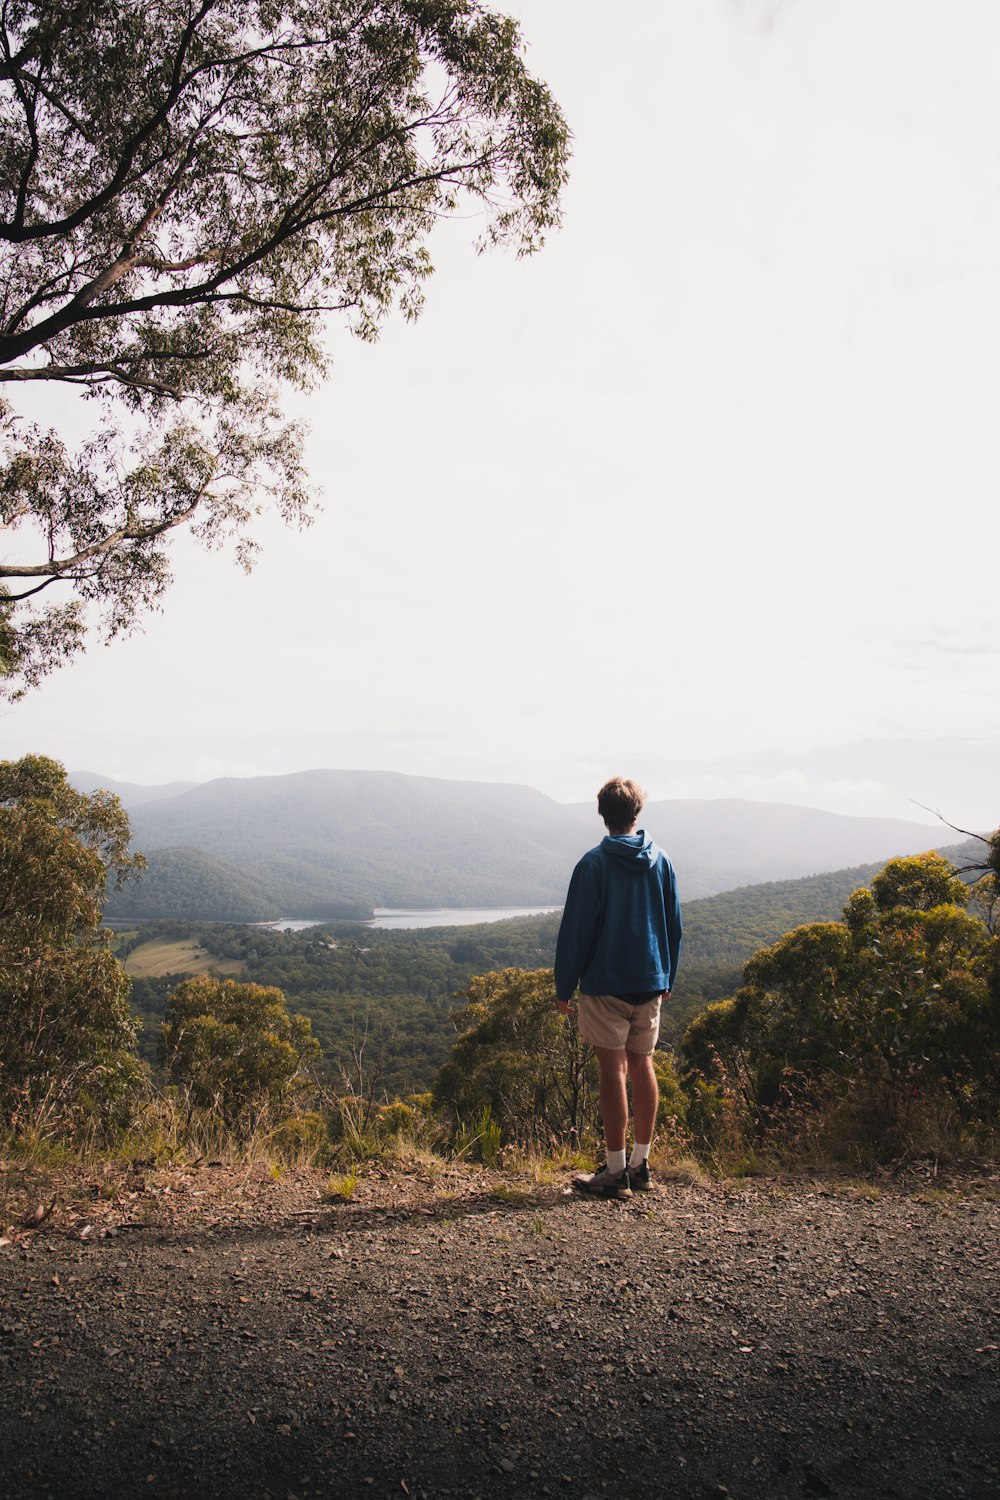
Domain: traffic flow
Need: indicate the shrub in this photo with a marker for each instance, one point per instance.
(300, 1137)
(234, 1049)
(865, 1038)
(520, 1058)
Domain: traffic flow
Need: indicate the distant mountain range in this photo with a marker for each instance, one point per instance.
(131, 793)
(339, 843)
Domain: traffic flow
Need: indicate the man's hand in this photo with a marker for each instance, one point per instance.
(564, 1007)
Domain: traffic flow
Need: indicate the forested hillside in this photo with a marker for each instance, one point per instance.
(401, 984)
(352, 981)
(329, 840)
(182, 881)
(340, 843)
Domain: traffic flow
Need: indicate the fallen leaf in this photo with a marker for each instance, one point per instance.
(37, 1216)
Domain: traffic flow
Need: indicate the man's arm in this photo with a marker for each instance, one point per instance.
(675, 927)
(577, 930)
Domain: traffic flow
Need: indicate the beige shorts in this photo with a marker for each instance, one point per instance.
(606, 1021)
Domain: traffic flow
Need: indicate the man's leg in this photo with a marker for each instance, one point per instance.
(645, 1094)
(613, 1180)
(612, 1097)
(644, 1030)
(604, 1025)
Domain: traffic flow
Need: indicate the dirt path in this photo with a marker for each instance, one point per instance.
(212, 1335)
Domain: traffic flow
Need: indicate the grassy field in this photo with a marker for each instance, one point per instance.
(185, 956)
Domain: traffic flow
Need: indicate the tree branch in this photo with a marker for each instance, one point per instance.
(31, 123)
(181, 81)
(207, 291)
(66, 567)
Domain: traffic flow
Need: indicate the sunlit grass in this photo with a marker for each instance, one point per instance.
(340, 1187)
(184, 956)
(515, 1193)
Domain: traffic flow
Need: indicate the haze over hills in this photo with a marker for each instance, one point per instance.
(332, 843)
(130, 792)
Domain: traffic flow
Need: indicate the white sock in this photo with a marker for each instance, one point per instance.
(616, 1162)
(639, 1155)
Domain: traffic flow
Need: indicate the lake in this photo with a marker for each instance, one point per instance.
(453, 916)
(441, 916)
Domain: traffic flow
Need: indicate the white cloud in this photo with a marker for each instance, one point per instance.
(865, 798)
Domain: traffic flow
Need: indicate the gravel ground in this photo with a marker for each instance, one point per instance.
(211, 1333)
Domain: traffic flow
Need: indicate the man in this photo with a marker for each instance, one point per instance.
(620, 940)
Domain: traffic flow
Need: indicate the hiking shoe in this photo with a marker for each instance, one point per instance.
(639, 1179)
(604, 1184)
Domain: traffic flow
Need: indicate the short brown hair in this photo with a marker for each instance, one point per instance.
(619, 803)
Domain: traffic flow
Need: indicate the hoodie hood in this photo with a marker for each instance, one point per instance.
(632, 849)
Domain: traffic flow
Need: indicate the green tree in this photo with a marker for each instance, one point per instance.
(985, 1019)
(519, 1058)
(234, 1048)
(895, 1005)
(66, 1030)
(783, 1022)
(918, 883)
(188, 189)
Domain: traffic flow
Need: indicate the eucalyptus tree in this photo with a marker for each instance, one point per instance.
(67, 1032)
(518, 1059)
(233, 1048)
(895, 1010)
(189, 191)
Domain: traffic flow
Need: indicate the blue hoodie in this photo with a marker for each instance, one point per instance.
(620, 932)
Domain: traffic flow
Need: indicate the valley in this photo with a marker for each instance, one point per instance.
(334, 845)
(402, 984)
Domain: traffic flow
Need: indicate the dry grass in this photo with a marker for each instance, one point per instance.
(862, 1190)
(153, 960)
(685, 1171)
(516, 1193)
(944, 1198)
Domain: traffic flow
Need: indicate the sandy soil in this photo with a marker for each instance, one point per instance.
(459, 1333)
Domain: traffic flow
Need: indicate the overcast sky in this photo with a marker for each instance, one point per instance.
(706, 493)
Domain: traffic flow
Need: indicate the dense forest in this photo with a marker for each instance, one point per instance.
(183, 880)
(398, 988)
(395, 988)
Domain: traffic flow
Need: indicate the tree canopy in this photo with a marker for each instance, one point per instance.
(66, 1031)
(57, 850)
(188, 190)
(518, 1059)
(234, 1047)
(892, 1016)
